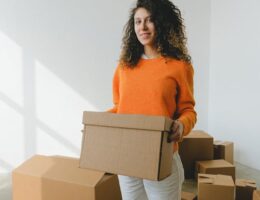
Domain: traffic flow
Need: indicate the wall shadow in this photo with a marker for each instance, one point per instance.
(73, 41)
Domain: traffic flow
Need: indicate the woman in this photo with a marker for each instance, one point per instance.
(155, 77)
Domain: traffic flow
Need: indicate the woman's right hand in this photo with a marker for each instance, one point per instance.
(176, 132)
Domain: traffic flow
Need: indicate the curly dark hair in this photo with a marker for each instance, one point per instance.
(170, 40)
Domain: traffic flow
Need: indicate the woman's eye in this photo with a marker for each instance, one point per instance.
(137, 22)
(149, 20)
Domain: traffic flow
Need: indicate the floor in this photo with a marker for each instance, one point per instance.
(242, 171)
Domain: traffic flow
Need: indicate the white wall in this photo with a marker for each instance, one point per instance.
(235, 77)
(196, 16)
(57, 59)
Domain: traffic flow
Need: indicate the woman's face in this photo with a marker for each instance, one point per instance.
(144, 27)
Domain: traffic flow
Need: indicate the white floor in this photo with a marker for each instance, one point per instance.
(5, 187)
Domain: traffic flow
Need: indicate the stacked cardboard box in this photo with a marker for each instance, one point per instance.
(132, 145)
(215, 187)
(256, 195)
(224, 150)
(215, 179)
(53, 178)
(187, 196)
(245, 189)
(215, 167)
(196, 146)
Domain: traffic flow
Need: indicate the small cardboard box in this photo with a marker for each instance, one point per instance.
(245, 189)
(57, 177)
(224, 150)
(215, 187)
(187, 196)
(127, 144)
(197, 145)
(215, 167)
(256, 195)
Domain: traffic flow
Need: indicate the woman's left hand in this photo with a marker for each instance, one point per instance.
(175, 134)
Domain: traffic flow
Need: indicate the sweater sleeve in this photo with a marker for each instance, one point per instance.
(185, 102)
(115, 91)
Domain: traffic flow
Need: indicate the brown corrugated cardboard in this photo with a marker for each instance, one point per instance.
(132, 145)
(215, 167)
(57, 177)
(187, 196)
(198, 145)
(224, 150)
(215, 187)
(245, 189)
(256, 195)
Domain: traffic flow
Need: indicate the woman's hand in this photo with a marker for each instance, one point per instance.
(176, 132)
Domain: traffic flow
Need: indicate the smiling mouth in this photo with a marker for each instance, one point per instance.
(144, 34)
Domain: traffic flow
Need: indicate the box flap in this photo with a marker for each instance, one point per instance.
(206, 178)
(224, 180)
(245, 183)
(59, 168)
(143, 122)
(216, 179)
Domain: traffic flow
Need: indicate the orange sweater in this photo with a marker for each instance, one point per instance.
(156, 87)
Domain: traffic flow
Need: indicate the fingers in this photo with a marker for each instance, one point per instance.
(176, 133)
(175, 126)
(170, 137)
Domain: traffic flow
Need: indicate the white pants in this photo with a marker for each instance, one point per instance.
(166, 189)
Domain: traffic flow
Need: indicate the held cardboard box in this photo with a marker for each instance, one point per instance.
(256, 195)
(245, 189)
(57, 177)
(224, 150)
(187, 196)
(132, 145)
(197, 145)
(215, 167)
(215, 187)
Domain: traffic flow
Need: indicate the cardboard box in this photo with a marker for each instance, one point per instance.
(132, 145)
(53, 178)
(197, 145)
(187, 196)
(215, 167)
(256, 195)
(224, 150)
(245, 189)
(215, 187)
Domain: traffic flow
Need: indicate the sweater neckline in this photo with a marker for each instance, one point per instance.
(151, 59)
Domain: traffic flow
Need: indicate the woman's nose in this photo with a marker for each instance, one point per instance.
(143, 26)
